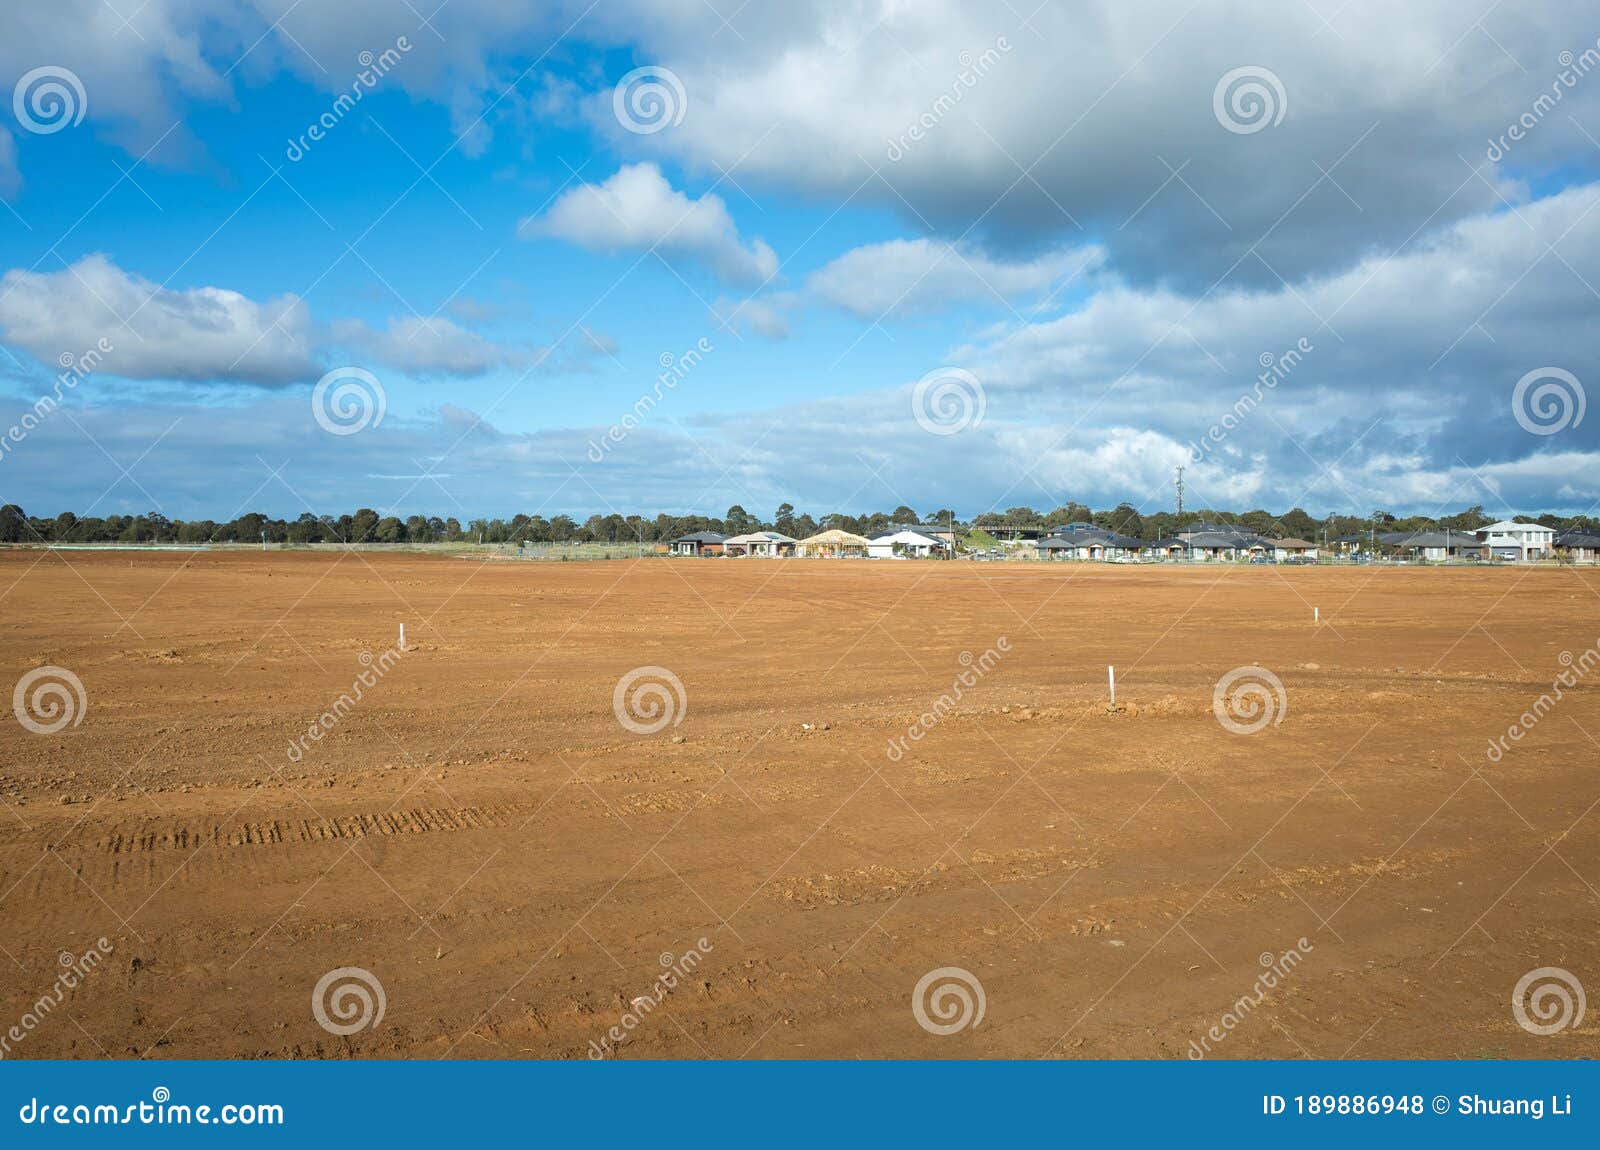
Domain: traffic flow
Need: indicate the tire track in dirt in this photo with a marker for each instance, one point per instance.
(143, 837)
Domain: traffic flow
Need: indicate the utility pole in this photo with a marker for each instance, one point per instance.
(1180, 497)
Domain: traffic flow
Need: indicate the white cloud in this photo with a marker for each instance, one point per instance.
(433, 347)
(204, 334)
(903, 276)
(766, 315)
(638, 210)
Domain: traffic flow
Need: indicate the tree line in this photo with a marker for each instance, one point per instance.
(368, 526)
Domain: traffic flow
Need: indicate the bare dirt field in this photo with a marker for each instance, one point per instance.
(515, 867)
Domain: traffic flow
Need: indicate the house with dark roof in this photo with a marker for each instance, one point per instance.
(1085, 541)
(1578, 547)
(1166, 550)
(1436, 546)
(699, 543)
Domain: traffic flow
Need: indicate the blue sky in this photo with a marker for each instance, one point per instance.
(1087, 253)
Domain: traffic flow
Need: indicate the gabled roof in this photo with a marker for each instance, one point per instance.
(1437, 539)
(1225, 539)
(1507, 525)
(1577, 539)
(1166, 544)
(833, 537)
(701, 537)
(758, 537)
(1292, 544)
(906, 535)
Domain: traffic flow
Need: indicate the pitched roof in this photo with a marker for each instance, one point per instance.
(701, 537)
(758, 537)
(833, 537)
(906, 535)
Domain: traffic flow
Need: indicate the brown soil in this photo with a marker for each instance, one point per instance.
(483, 835)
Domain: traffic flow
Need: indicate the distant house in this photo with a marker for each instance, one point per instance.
(1293, 549)
(1518, 541)
(1222, 546)
(1438, 546)
(699, 543)
(1054, 547)
(1166, 550)
(1087, 541)
(765, 544)
(1013, 534)
(1578, 547)
(832, 544)
(906, 543)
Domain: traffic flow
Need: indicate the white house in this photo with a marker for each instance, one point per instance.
(1521, 541)
(768, 544)
(904, 544)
